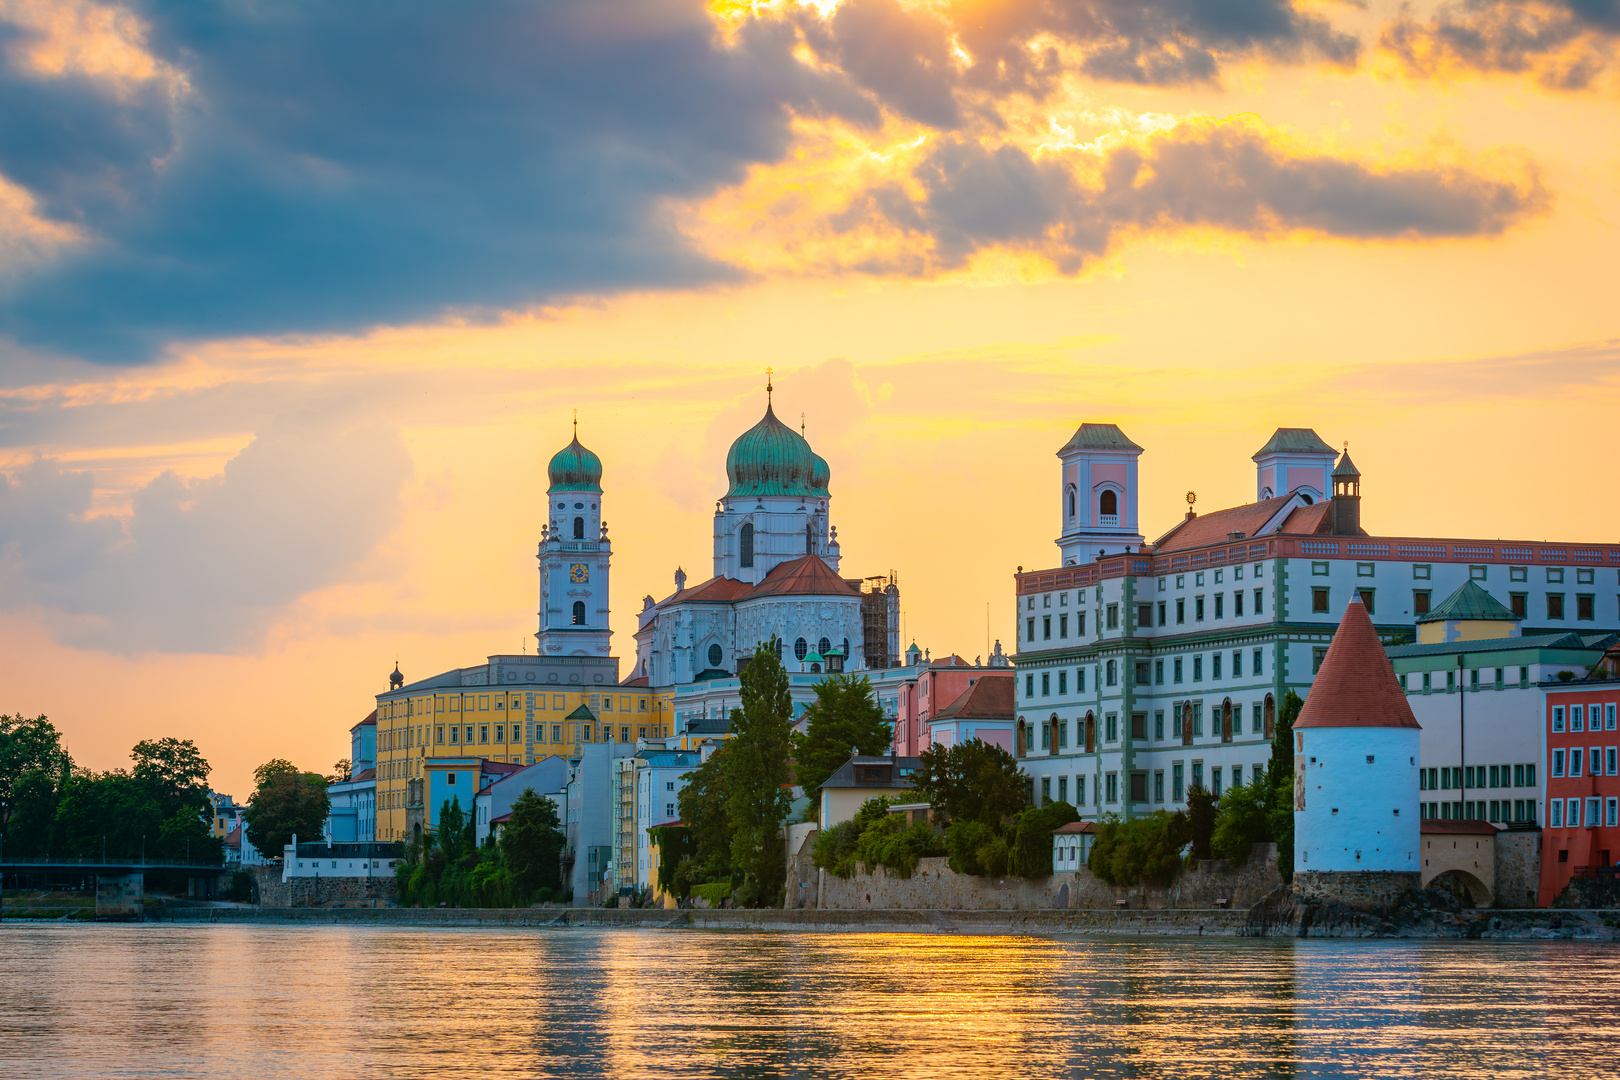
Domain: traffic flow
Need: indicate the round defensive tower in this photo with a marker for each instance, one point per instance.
(1356, 813)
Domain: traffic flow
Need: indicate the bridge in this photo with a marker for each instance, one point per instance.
(120, 883)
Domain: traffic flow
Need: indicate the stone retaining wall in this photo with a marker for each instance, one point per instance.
(302, 892)
(1374, 891)
(934, 885)
(1518, 868)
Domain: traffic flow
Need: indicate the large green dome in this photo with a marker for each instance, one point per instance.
(575, 468)
(771, 458)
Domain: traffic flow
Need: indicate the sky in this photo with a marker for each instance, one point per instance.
(297, 300)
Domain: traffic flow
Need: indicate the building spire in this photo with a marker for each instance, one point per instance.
(576, 425)
(768, 373)
(801, 425)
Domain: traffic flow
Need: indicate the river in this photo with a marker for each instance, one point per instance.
(357, 1001)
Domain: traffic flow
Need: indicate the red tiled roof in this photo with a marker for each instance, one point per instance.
(989, 698)
(640, 680)
(1356, 686)
(1306, 519)
(498, 820)
(1216, 526)
(504, 768)
(1437, 825)
(717, 590)
(807, 574)
(371, 719)
(1074, 827)
(364, 774)
(950, 661)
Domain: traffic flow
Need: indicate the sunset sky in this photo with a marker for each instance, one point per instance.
(297, 300)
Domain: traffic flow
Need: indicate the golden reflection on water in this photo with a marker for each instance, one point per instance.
(331, 1001)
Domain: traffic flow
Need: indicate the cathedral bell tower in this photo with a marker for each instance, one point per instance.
(574, 558)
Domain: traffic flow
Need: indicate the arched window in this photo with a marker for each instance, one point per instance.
(1091, 733)
(1270, 717)
(1108, 504)
(801, 648)
(579, 613)
(714, 656)
(1019, 738)
(815, 669)
(823, 646)
(747, 545)
(846, 650)
(809, 538)
(579, 528)
(1071, 502)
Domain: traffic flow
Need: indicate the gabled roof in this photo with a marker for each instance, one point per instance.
(639, 680)
(1293, 440)
(1074, 827)
(1469, 603)
(363, 775)
(371, 719)
(989, 698)
(899, 776)
(581, 713)
(1099, 437)
(1306, 519)
(1356, 686)
(1216, 527)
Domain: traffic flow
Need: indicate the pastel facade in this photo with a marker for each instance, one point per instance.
(352, 816)
(1581, 834)
(1356, 762)
(493, 803)
(1143, 673)
(646, 794)
(860, 780)
(339, 860)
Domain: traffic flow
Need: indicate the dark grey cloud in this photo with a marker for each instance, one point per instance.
(905, 55)
(202, 565)
(1565, 44)
(341, 165)
(1222, 176)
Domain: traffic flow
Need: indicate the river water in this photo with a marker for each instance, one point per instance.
(350, 1001)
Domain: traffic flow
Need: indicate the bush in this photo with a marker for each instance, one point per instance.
(874, 838)
(713, 892)
(1031, 848)
(976, 849)
(1242, 819)
(1144, 850)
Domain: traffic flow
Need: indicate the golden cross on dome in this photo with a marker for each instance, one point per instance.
(768, 373)
(576, 423)
(801, 425)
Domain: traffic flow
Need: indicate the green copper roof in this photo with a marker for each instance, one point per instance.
(1294, 440)
(771, 458)
(820, 475)
(1099, 437)
(1469, 603)
(575, 468)
(1346, 467)
(581, 713)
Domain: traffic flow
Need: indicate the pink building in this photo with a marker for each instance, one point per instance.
(937, 684)
(1581, 830)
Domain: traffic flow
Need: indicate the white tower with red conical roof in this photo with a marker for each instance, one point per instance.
(1356, 815)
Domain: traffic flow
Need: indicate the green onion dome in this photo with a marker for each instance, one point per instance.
(771, 458)
(575, 468)
(820, 475)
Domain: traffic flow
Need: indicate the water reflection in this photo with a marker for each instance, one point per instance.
(208, 1001)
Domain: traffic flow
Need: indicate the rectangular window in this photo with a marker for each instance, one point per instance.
(1220, 605)
(1063, 682)
(1198, 669)
(1113, 616)
(1079, 791)
(1158, 734)
(500, 732)
(1046, 684)
(1215, 666)
(483, 733)
(1365, 569)
(1158, 786)
(1420, 571)
(1112, 780)
(1139, 787)
(1259, 606)
(1575, 756)
(1080, 624)
(1558, 718)
(1111, 668)
(1079, 680)
(1198, 580)
(1175, 721)
(1198, 774)
(1558, 763)
(1046, 790)
(1556, 813)
(455, 732)
(1030, 629)
(1141, 673)
(1161, 607)
(1198, 609)
(1063, 735)
(1420, 601)
(1198, 722)
(1608, 717)
(1319, 569)
(1530, 775)
(556, 733)
(1111, 722)
(1176, 669)
(1237, 604)
(1585, 607)
(1319, 601)
(1577, 718)
(1555, 605)
(1258, 721)
(1144, 615)
(1063, 789)
(1063, 624)
(1317, 656)
(1476, 573)
(1555, 575)
(1178, 789)
(1366, 599)
(1181, 611)
(1158, 672)
(1258, 667)
(1139, 726)
(439, 735)
(1046, 627)
(1029, 686)
(1584, 575)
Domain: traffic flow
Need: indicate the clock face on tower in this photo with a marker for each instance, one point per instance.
(579, 573)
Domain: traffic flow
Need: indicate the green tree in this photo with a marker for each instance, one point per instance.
(1282, 738)
(286, 802)
(977, 848)
(174, 771)
(971, 781)
(1144, 850)
(1200, 821)
(33, 772)
(759, 774)
(342, 772)
(532, 844)
(1242, 819)
(1281, 780)
(844, 716)
(1030, 853)
(704, 804)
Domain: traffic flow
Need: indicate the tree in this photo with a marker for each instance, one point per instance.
(532, 844)
(1031, 850)
(342, 772)
(759, 774)
(971, 781)
(33, 768)
(1282, 738)
(1144, 850)
(1281, 778)
(844, 716)
(1242, 820)
(1200, 820)
(705, 809)
(174, 771)
(286, 802)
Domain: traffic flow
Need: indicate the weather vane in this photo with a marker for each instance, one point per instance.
(1192, 497)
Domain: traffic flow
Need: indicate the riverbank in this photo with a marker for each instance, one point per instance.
(1485, 924)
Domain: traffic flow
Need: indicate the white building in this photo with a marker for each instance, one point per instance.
(1356, 761)
(575, 558)
(646, 792)
(493, 803)
(357, 860)
(1144, 672)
